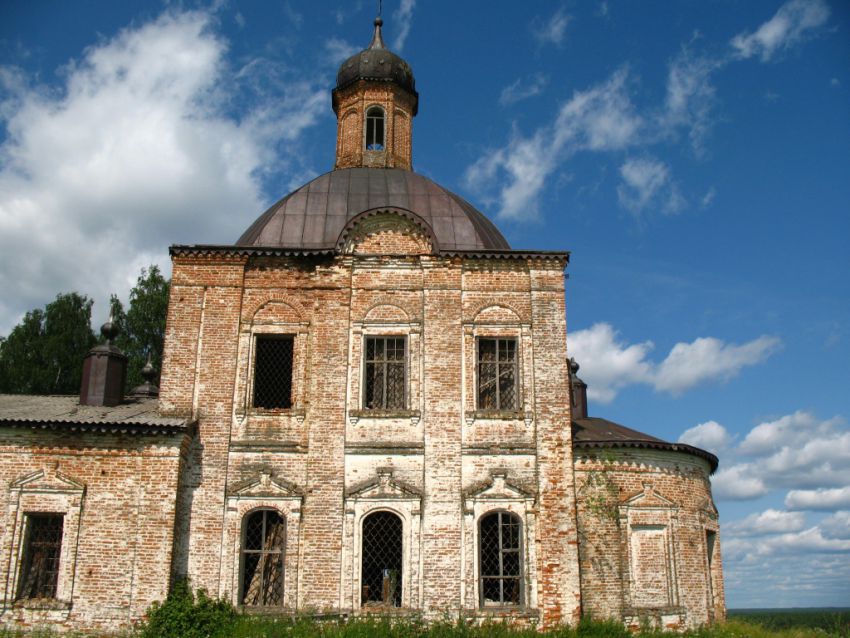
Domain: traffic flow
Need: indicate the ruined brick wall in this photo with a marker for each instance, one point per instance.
(649, 541)
(117, 495)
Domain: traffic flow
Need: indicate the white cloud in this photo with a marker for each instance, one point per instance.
(522, 89)
(403, 17)
(134, 153)
(794, 21)
(646, 183)
(709, 436)
(690, 97)
(553, 29)
(738, 482)
(770, 521)
(708, 198)
(791, 429)
(821, 499)
(837, 525)
(339, 50)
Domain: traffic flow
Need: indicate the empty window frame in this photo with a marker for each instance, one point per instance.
(384, 372)
(381, 567)
(263, 544)
(39, 575)
(500, 560)
(375, 129)
(497, 374)
(273, 363)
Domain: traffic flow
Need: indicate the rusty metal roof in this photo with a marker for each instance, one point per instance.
(134, 416)
(314, 216)
(593, 432)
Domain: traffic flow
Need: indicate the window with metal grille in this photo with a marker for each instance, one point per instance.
(497, 374)
(263, 543)
(380, 573)
(273, 372)
(375, 129)
(40, 560)
(384, 371)
(500, 559)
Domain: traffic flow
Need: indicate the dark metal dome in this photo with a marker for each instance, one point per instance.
(315, 215)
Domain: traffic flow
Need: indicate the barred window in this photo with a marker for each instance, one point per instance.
(380, 572)
(385, 368)
(263, 546)
(500, 560)
(375, 129)
(40, 561)
(497, 374)
(273, 371)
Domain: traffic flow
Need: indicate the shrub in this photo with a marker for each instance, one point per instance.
(184, 615)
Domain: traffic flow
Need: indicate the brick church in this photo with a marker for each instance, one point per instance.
(366, 406)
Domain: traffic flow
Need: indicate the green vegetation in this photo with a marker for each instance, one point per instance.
(832, 621)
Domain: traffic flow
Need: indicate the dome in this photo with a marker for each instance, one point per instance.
(377, 63)
(315, 215)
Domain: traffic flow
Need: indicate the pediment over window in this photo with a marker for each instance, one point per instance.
(264, 485)
(48, 480)
(708, 510)
(648, 497)
(498, 487)
(384, 486)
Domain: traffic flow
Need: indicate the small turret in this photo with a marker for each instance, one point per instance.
(104, 371)
(578, 392)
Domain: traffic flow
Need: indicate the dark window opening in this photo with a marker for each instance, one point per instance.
(380, 579)
(263, 546)
(385, 366)
(40, 560)
(500, 560)
(497, 374)
(710, 537)
(273, 372)
(375, 129)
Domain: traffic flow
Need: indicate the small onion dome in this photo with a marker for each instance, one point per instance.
(379, 64)
(147, 389)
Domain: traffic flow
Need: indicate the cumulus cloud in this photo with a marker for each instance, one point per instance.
(553, 29)
(793, 22)
(770, 521)
(138, 149)
(821, 499)
(403, 17)
(646, 183)
(610, 364)
(837, 525)
(738, 483)
(709, 436)
(523, 88)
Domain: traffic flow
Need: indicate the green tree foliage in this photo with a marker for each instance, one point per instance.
(142, 326)
(44, 353)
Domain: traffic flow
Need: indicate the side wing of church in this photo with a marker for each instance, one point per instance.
(366, 406)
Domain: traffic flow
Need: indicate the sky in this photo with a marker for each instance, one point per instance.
(693, 156)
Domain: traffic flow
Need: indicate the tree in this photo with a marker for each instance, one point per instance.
(44, 353)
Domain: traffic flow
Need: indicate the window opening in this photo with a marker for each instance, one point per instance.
(709, 545)
(497, 374)
(263, 546)
(375, 129)
(273, 372)
(39, 576)
(380, 574)
(500, 560)
(385, 366)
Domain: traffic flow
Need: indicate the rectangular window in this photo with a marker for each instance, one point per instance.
(385, 366)
(273, 372)
(40, 560)
(497, 374)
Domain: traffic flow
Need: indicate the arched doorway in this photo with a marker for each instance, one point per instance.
(381, 563)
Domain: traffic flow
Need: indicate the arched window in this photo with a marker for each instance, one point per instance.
(380, 573)
(375, 129)
(500, 559)
(263, 543)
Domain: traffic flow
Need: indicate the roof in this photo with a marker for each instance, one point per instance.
(315, 216)
(593, 432)
(133, 416)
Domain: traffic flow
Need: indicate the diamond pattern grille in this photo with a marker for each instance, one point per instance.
(500, 560)
(262, 559)
(381, 567)
(497, 374)
(273, 372)
(385, 358)
(42, 549)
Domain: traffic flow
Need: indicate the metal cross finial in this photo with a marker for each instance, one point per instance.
(380, 6)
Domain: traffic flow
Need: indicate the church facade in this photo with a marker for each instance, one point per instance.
(366, 406)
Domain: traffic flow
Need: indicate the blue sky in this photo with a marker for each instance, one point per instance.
(693, 156)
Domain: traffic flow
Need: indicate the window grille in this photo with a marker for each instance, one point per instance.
(500, 560)
(375, 129)
(273, 372)
(497, 374)
(42, 548)
(263, 546)
(381, 566)
(385, 366)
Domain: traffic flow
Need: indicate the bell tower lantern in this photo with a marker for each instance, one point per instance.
(375, 101)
